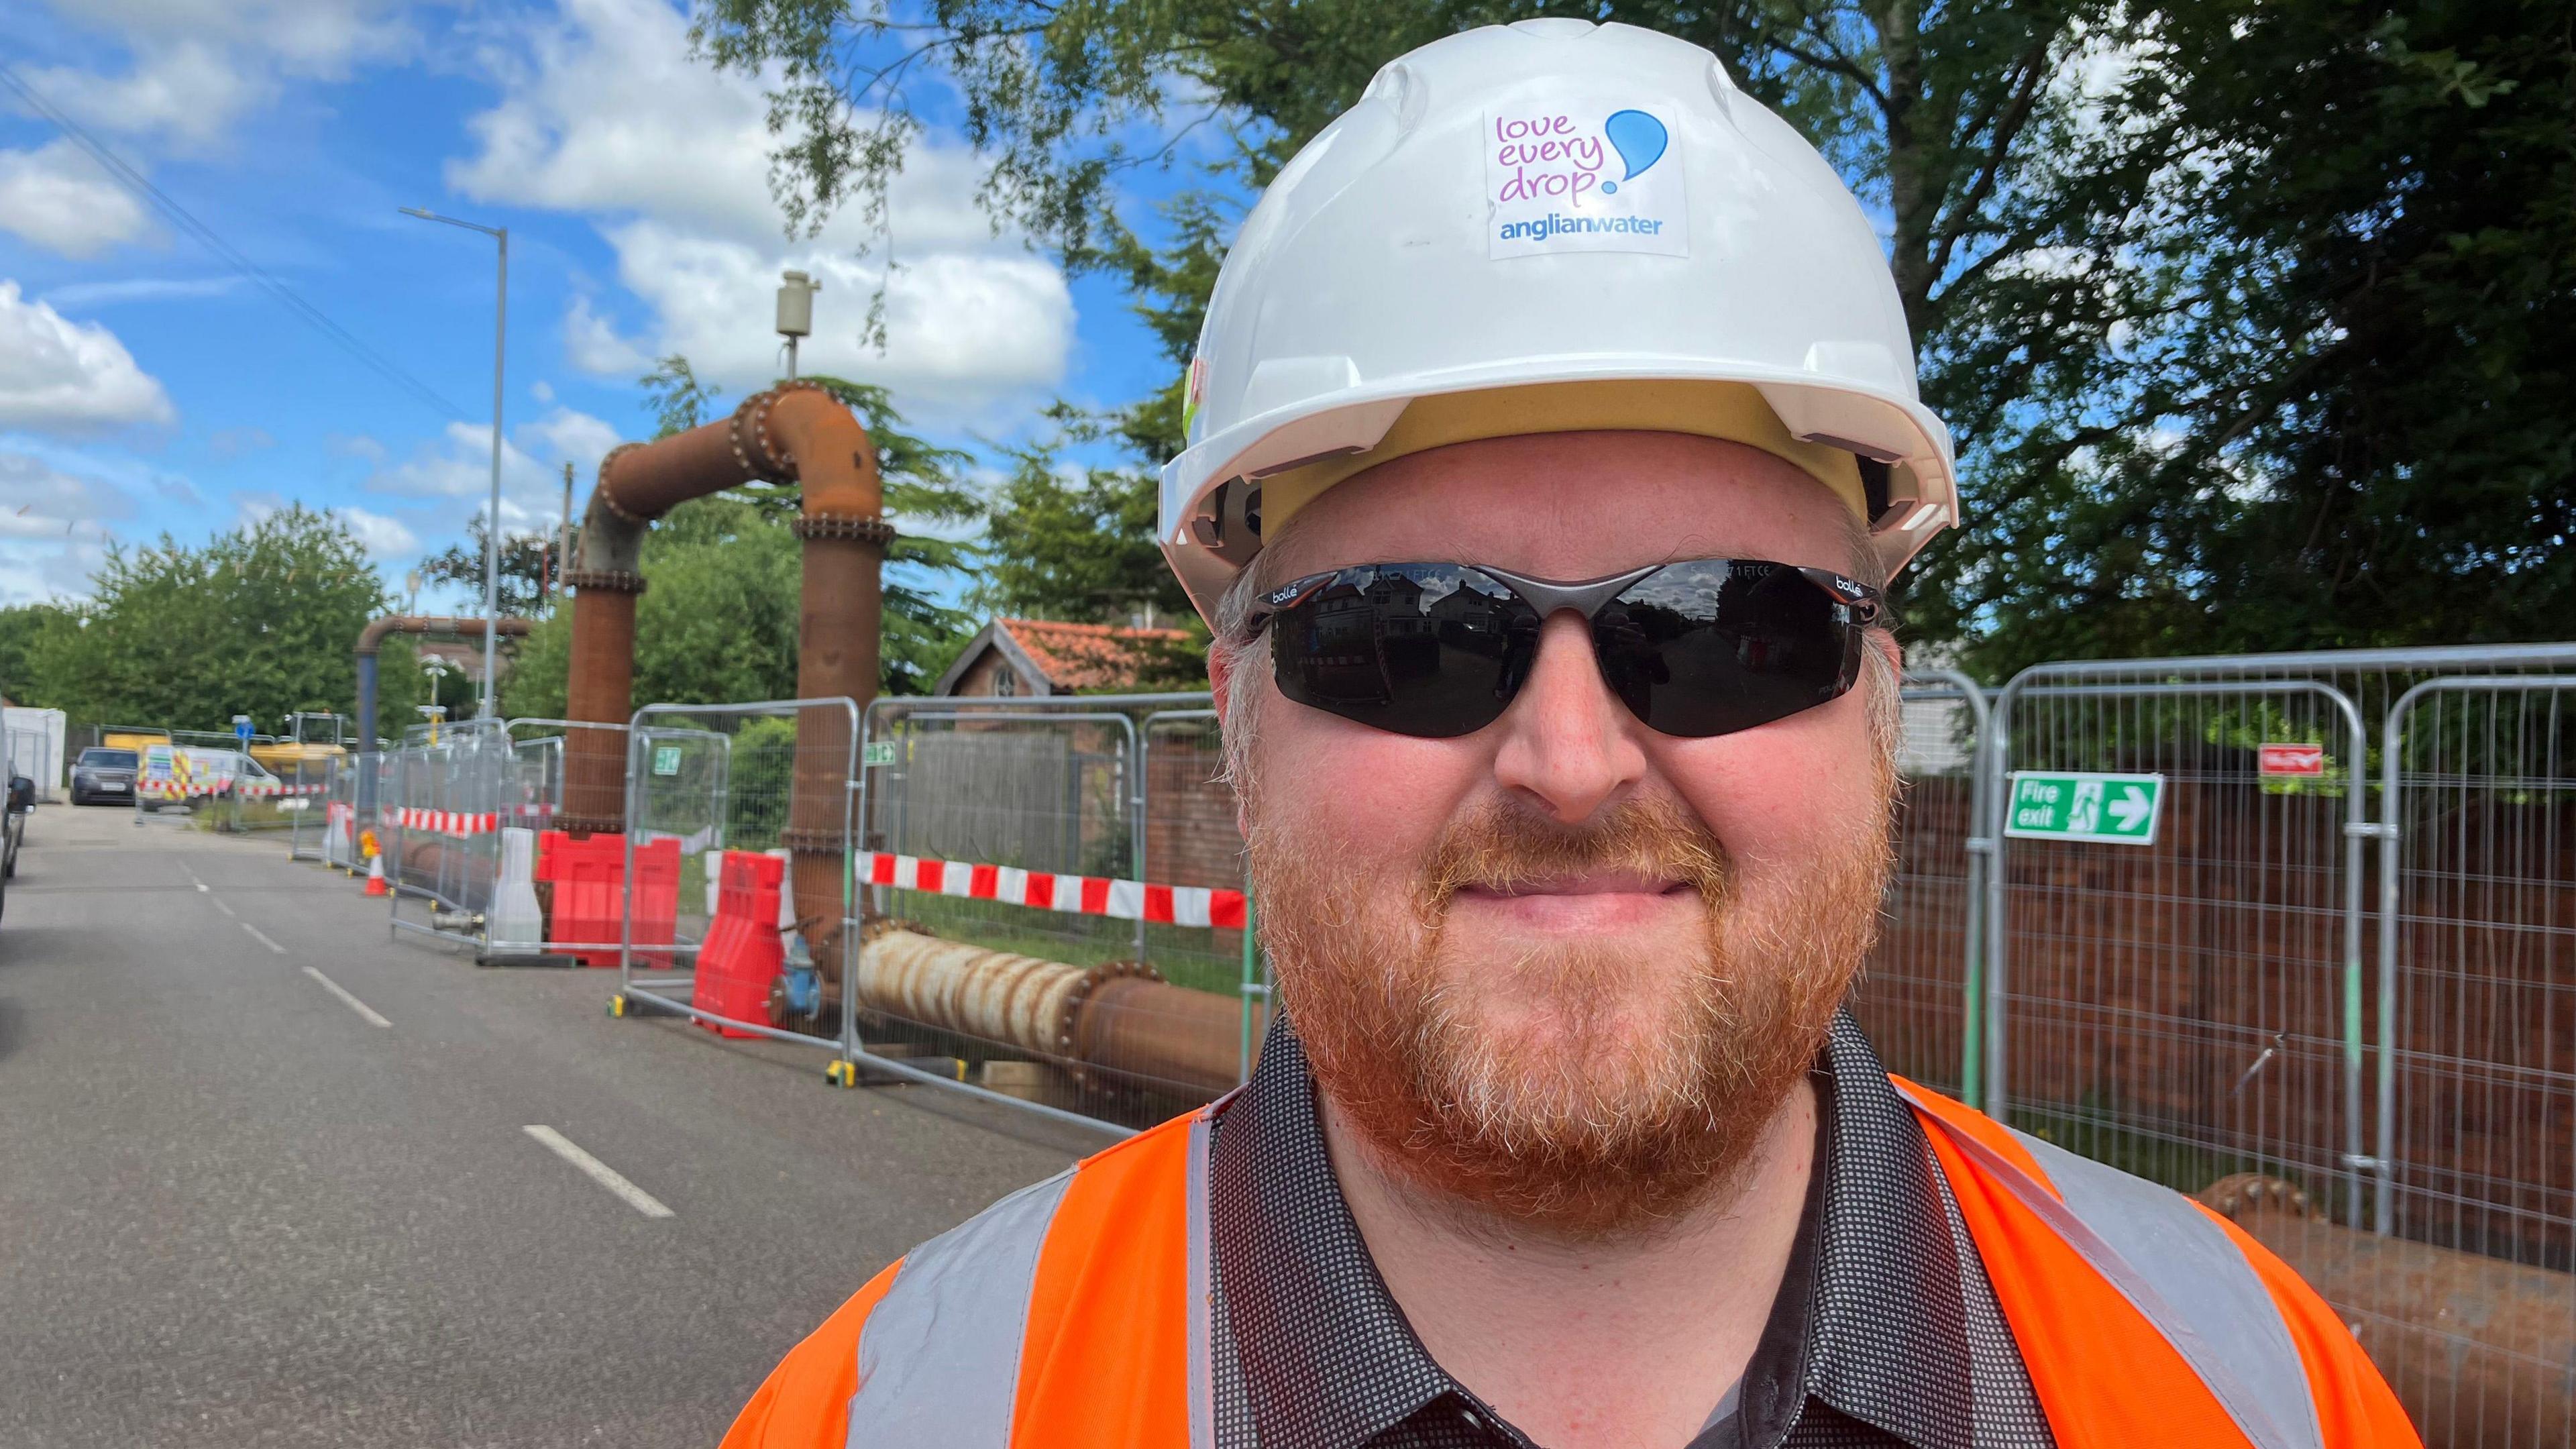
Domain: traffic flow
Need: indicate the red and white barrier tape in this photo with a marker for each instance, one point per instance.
(461, 822)
(1127, 900)
(176, 790)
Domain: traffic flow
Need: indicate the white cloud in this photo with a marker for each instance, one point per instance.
(566, 436)
(62, 376)
(458, 466)
(58, 198)
(594, 344)
(385, 538)
(53, 526)
(197, 66)
(959, 329)
(542, 390)
(604, 111)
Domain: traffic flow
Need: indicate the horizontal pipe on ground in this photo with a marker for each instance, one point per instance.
(1118, 1018)
(2481, 1352)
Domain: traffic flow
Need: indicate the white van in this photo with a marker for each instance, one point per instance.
(176, 774)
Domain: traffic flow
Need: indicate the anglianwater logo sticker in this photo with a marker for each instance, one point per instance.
(1583, 175)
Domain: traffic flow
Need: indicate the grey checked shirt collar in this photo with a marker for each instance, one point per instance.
(1885, 1332)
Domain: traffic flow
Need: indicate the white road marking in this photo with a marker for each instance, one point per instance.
(600, 1172)
(365, 1012)
(262, 937)
(219, 905)
(201, 885)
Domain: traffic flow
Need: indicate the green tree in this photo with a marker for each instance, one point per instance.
(262, 620)
(2362, 422)
(678, 400)
(528, 565)
(717, 623)
(25, 631)
(1071, 542)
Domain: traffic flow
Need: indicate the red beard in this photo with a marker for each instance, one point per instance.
(1576, 1088)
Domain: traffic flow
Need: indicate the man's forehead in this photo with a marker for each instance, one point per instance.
(1570, 505)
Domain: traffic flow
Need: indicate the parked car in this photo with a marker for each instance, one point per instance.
(104, 776)
(22, 802)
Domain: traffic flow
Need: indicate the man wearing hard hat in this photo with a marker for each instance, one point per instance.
(1551, 437)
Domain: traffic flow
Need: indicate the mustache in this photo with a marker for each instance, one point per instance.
(1503, 846)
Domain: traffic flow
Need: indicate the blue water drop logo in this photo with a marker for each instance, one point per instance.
(1639, 139)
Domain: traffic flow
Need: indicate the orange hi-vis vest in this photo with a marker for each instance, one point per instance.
(1073, 1314)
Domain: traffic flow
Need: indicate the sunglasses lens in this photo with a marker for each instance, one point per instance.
(1712, 646)
(1429, 650)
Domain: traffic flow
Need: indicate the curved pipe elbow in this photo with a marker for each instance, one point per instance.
(371, 639)
(833, 459)
(611, 542)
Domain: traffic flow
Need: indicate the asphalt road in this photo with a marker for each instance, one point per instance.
(236, 1210)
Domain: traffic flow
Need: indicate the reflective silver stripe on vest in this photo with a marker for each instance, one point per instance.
(939, 1357)
(1200, 1285)
(2182, 1272)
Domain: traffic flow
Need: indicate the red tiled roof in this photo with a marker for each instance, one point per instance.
(1090, 656)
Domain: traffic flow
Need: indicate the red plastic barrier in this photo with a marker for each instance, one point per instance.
(742, 954)
(589, 878)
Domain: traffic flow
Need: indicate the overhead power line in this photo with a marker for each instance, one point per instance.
(134, 181)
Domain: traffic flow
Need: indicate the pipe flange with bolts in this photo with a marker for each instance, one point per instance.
(846, 525)
(1068, 1049)
(753, 448)
(607, 495)
(606, 581)
(586, 825)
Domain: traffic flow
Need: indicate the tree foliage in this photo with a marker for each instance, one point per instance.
(2357, 431)
(262, 620)
(529, 564)
(2232, 306)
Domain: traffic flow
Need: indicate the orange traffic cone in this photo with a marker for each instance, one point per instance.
(376, 876)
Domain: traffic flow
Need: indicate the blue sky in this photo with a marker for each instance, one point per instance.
(145, 388)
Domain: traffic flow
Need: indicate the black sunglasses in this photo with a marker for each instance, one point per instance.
(1695, 648)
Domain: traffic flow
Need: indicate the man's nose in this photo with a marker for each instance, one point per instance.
(1567, 744)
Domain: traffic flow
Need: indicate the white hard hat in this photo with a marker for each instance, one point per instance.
(1547, 227)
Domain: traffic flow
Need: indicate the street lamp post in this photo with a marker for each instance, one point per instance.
(492, 520)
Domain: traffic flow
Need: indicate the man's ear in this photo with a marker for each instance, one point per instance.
(1220, 662)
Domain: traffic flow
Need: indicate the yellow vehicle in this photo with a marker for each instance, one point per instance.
(136, 740)
(285, 757)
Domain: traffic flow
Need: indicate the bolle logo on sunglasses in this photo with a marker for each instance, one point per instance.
(1582, 173)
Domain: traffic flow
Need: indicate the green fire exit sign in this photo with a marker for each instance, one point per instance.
(2117, 809)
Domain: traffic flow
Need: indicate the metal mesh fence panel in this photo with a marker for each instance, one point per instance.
(1056, 907)
(733, 890)
(440, 824)
(1914, 993)
(329, 830)
(2477, 923)
(2332, 996)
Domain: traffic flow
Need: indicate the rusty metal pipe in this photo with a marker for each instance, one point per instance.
(1014, 1001)
(371, 640)
(2481, 1352)
(1183, 1041)
(797, 433)
(806, 433)
(1117, 1019)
